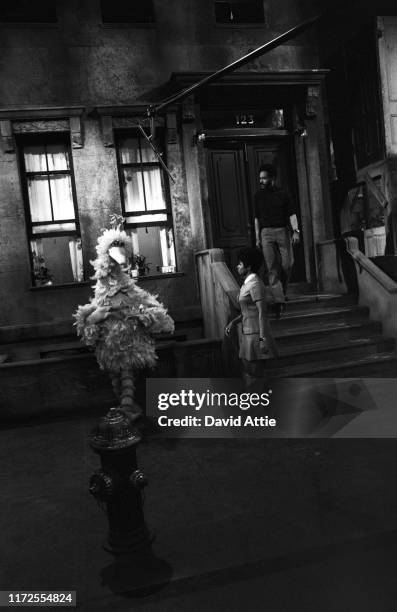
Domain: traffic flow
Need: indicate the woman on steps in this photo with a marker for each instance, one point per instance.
(256, 341)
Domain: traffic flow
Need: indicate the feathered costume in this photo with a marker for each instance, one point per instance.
(121, 318)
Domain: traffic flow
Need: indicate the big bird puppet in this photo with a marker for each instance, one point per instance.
(122, 318)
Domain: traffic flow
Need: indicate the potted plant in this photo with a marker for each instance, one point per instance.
(41, 273)
(138, 262)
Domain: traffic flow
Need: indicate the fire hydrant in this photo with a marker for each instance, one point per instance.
(119, 482)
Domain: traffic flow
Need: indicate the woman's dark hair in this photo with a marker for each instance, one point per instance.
(270, 169)
(250, 256)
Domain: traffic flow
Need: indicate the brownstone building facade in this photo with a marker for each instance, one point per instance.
(77, 79)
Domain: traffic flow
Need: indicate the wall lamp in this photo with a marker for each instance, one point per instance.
(200, 136)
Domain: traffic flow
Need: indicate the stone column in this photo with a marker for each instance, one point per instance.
(317, 162)
(190, 150)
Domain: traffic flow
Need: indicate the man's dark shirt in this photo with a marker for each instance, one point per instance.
(273, 207)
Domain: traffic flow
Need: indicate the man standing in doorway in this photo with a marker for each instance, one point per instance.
(275, 219)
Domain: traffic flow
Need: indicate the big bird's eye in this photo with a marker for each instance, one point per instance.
(118, 243)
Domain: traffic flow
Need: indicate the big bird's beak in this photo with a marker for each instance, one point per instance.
(118, 254)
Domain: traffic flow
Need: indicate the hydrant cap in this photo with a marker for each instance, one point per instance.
(114, 431)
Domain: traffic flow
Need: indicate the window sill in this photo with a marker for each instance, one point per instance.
(61, 286)
(126, 25)
(146, 277)
(240, 26)
(29, 25)
(157, 276)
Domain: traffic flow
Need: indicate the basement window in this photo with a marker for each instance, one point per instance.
(242, 12)
(26, 11)
(146, 206)
(51, 213)
(127, 11)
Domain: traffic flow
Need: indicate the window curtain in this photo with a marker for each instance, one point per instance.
(76, 259)
(57, 157)
(37, 248)
(147, 153)
(167, 246)
(39, 199)
(153, 189)
(135, 241)
(129, 150)
(62, 199)
(152, 178)
(39, 158)
(35, 158)
(133, 191)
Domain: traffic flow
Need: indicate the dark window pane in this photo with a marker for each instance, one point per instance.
(223, 12)
(57, 260)
(119, 11)
(26, 11)
(250, 11)
(156, 244)
(365, 98)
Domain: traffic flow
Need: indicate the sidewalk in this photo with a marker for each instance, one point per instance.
(242, 524)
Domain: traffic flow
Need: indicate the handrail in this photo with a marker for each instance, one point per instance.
(227, 281)
(366, 264)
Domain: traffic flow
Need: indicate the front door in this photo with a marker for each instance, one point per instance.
(229, 199)
(233, 170)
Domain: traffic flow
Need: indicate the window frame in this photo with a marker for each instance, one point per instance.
(32, 21)
(121, 134)
(46, 138)
(127, 22)
(240, 24)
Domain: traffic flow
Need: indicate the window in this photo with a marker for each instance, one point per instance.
(26, 11)
(245, 11)
(52, 221)
(362, 65)
(144, 196)
(127, 11)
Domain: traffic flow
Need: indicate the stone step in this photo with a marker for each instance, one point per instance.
(300, 288)
(327, 334)
(64, 328)
(354, 348)
(54, 347)
(377, 365)
(312, 318)
(318, 302)
(67, 383)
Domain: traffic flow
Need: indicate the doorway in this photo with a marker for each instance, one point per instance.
(233, 170)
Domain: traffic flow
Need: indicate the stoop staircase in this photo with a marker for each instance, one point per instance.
(331, 336)
(319, 336)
